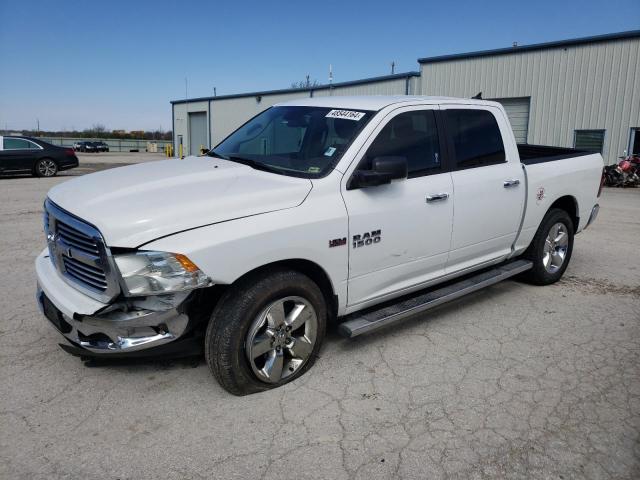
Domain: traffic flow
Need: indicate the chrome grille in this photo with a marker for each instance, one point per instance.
(75, 238)
(79, 253)
(85, 273)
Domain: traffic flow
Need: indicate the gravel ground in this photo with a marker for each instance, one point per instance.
(515, 381)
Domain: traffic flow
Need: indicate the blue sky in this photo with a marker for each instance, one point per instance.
(71, 64)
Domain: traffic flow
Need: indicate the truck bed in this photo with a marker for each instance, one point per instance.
(532, 154)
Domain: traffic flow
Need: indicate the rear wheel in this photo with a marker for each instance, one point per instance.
(265, 331)
(45, 167)
(551, 248)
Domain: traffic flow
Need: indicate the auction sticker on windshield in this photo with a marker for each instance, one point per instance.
(345, 114)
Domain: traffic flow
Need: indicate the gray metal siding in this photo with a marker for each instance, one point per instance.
(581, 87)
(181, 122)
(389, 87)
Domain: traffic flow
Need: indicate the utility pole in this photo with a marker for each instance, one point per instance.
(38, 129)
(393, 67)
(330, 79)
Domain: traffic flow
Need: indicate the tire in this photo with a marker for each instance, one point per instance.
(551, 248)
(46, 167)
(245, 323)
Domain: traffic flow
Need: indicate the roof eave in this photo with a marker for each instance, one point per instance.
(533, 47)
(351, 83)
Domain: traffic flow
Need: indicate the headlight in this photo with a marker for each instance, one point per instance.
(154, 273)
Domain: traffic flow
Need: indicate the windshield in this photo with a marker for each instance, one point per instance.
(297, 141)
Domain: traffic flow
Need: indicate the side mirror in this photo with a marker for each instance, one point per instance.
(383, 170)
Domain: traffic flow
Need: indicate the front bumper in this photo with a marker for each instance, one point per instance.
(106, 329)
(66, 165)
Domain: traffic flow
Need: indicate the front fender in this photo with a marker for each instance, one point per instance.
(228, 250)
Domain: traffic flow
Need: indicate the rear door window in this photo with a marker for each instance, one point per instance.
(475, 138)
(18, 144)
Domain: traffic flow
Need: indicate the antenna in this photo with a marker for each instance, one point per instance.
(393, 67)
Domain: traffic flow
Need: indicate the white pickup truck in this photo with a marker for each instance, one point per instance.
(347, 210)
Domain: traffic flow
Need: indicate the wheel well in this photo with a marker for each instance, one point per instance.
(569, 205)
(312, 270)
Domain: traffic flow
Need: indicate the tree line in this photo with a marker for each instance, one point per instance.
(98, 131)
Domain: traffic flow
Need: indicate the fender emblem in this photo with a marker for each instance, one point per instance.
(337, 242)
(367, 238)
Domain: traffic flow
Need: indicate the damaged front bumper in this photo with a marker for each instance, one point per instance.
(97, 329)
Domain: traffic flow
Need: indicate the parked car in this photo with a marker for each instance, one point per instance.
(335, 209)
(101, 146)
(32, 155)
(90, 147)
(84, 146)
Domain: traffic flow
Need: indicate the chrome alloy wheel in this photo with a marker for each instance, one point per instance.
(281, 339)
(47, 168)
(555, 248)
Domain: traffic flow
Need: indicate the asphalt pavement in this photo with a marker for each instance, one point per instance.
(515, 381)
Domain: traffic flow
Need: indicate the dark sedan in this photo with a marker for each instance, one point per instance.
(31, 155)
(101, 146)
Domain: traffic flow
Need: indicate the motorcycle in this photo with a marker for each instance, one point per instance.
(626, 173)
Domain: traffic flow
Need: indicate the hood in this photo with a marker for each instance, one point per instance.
(135, 204)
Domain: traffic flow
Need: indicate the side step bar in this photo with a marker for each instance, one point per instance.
(360, 323)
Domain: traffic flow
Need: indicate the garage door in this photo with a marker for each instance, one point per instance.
(518, 112)
(197, 132)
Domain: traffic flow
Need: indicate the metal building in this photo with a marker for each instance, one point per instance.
(582, 93)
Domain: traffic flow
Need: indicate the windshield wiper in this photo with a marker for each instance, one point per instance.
(212, 153)
(254, 164)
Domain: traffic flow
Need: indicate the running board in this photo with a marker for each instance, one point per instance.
(373, 320)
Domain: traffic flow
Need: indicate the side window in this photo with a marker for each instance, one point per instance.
(413, 135)
(17, 144)
(475, 136)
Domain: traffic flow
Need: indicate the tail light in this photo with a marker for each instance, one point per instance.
(601, 183)
(69, 152)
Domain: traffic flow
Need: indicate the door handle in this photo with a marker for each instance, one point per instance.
(511, 183)
(437, 197)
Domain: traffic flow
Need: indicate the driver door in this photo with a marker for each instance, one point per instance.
(400, 233)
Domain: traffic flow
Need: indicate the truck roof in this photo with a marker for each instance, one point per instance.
(378, 102)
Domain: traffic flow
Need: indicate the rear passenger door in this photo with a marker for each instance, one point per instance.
(488, 182)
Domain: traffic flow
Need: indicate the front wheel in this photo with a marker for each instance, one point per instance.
(46, 168)
(551, 248)
(265, 331)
